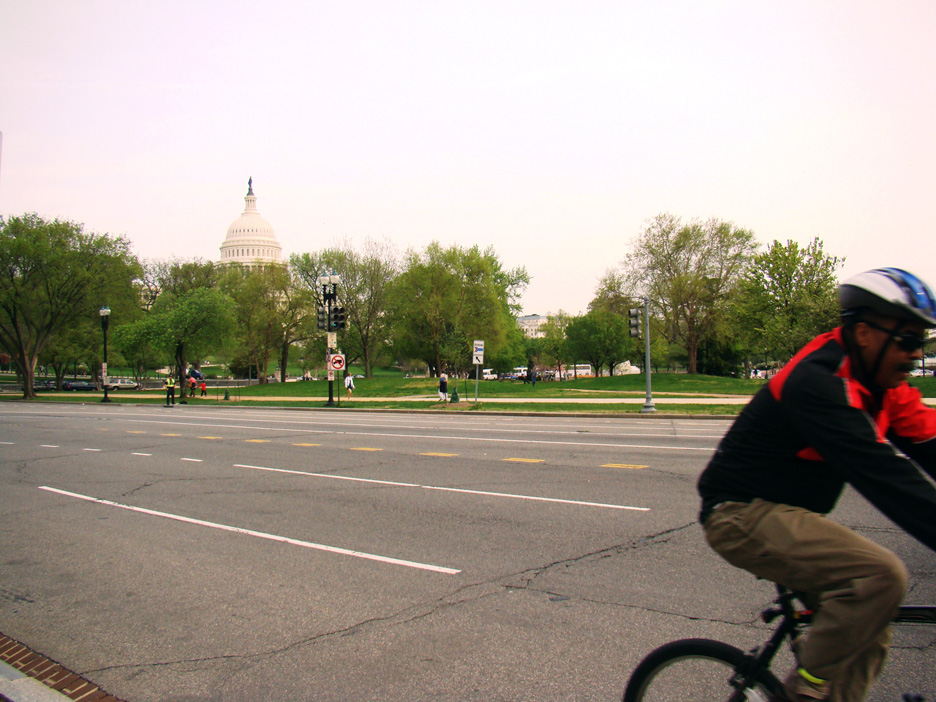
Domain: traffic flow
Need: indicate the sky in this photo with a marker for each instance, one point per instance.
(551, 131)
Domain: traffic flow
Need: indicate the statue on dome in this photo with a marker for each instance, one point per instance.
(250, 186)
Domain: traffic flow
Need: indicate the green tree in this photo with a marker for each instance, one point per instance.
(446, 298)
(257, 296)
(599, 337)
(188, 326)
(688, 271)
(555, 345)
(787, 297)
(54, 276)
(366, 280)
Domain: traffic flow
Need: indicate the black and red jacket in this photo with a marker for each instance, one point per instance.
(814, 427)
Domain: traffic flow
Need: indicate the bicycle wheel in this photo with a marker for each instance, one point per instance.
(697, 670)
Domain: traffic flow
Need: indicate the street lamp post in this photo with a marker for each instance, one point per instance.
(329, 285)
(105, 317)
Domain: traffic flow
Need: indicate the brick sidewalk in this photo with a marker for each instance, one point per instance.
(50, 673)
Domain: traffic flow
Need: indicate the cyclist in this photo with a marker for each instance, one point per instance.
(839, 412)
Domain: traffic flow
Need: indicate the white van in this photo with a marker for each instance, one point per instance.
(489, 374)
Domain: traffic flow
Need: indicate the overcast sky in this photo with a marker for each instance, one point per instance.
(552, 131)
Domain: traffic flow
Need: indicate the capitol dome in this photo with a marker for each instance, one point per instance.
(250, 239)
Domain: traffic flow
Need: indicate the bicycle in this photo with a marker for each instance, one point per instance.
(704, 670)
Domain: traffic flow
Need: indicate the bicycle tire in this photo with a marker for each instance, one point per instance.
(696, 670)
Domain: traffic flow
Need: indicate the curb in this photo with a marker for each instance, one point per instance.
(27, 676)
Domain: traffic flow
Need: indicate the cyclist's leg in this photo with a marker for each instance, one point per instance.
(861, 671)
(860, 584)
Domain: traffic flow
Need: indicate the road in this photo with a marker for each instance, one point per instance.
(187, 553)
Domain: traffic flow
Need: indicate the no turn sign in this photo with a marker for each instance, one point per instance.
(336, 362)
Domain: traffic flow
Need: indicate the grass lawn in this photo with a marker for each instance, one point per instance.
(618, 386)
(399, 393)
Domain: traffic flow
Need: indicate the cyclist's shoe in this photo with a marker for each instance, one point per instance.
(797, 688)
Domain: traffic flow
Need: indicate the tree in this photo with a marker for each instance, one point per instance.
(688, 272)
(366, 279)
(446, 298)
(611, 294)
(555, 346)
(599, 337)
(54, 275)
(787, 297)
(187, 326)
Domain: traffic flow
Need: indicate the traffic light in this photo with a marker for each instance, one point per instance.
(338, 318)
(322, 318)
(633, 321)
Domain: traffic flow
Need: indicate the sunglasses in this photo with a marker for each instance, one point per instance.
(907, 341)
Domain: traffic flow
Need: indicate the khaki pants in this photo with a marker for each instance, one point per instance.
(856, 584)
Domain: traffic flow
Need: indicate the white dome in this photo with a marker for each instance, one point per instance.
(250, 238)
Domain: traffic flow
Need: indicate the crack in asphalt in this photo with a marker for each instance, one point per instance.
(469, 593)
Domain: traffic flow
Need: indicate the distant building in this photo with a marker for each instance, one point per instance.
(250, 239)
(532, 325)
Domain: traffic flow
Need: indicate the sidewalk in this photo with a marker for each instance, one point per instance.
(26, 676)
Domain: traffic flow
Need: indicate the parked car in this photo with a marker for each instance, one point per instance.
(44, 385)
(79, 385)
(121, 384)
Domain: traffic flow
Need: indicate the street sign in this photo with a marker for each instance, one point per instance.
(478, 353)
(336, 362)
(331, 374)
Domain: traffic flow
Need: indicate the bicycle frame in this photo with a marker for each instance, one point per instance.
(792, 620)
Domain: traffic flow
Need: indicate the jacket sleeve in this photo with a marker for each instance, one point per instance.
(913, 426)
(848, 440)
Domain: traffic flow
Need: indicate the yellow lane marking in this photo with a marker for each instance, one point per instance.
(444, 455)
(365, 448)
(170, 435)
(129, 431)
(525, 460)
(306, 444)
(209, 437)
(257, 441)
(623, 465)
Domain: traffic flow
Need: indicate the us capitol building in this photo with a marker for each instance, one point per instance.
(250, 239)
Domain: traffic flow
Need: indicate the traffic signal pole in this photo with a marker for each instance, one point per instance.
(648, 404)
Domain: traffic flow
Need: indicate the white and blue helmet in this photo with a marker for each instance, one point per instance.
(891, 292)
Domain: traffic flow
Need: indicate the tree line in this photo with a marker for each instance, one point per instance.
(715, 299)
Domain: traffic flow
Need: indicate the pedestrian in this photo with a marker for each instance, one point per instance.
(204, 388)
(170, 391)
(192, 385)
(443, 387)
(349, 383)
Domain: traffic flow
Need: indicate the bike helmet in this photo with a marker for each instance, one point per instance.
(890, 292)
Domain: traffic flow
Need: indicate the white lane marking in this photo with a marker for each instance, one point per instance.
(258, 534)
(48, 445)
(7, 443)
(192, 460)
(141, 454)
(90, 449)
(394, 483)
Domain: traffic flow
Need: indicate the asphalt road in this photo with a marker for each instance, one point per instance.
(188, 553)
